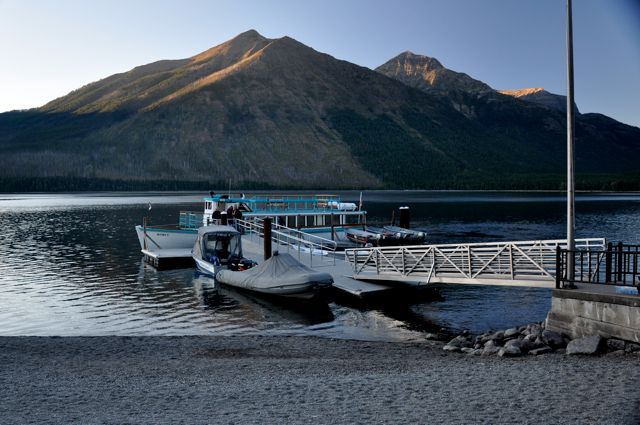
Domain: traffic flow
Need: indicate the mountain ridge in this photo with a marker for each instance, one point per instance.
(279, 113)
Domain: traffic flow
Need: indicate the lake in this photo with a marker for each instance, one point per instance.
(70, 264)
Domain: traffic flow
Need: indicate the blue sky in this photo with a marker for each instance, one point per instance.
(48, 48)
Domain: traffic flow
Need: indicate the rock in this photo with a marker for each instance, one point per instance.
(490, 348)
(527, 345)
(586, 345)
(617, 353)
(615, 344)
(535, 330)
(514, 343)
(632, 347)
(460, 341)
(511, 332)
(477, 345)
(553, 339)
(509, 351)
(434, 337)
(561, 351)
(467, 350)
(477, 352)
(542, 350)
(522, 329)
(497, 336)
(452, 348)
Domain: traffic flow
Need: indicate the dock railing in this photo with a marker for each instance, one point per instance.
(320, 251)
(465, 263)
(617, 265)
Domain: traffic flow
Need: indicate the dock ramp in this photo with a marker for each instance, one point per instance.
(522, 263)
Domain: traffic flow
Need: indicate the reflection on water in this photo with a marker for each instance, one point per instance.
(70, 265)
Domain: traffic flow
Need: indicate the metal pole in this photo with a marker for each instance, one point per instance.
(267, 237)
(570, 162)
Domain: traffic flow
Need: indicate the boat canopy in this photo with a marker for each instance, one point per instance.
(219, 242)
(279, 275)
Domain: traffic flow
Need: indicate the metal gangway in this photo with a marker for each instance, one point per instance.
(319, 251)
(524, 263)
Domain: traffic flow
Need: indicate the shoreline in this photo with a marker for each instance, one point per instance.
(291, 379)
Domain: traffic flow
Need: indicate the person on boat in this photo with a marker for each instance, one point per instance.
(216, 215)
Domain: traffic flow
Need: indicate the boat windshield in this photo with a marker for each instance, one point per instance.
(222, 246)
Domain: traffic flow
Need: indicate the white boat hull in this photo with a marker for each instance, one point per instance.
(166, 239)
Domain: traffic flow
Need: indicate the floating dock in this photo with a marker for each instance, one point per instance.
(163, 259)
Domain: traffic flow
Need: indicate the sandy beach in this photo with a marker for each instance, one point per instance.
(307, 380)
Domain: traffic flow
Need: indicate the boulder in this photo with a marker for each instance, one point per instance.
(460, 341)
(616, 353)
(497, 336)
(553, 339)
(632, 347)
(535, 330)
(467, 350)
(542, 350)
(514, 343)
(615, 344)
(586, 345)
(490, 348)
(509, 351)
(511, 333)
(451, 348)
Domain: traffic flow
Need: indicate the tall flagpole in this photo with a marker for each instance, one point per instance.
(571, 227)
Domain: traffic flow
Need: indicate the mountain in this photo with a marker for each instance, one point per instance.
(541, 97)
(534, 116)
(259, 112)
(428, 74)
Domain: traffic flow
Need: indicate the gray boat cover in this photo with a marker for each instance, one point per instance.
(280, 275)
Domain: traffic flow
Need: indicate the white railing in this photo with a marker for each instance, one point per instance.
(527, 260)
(320, 251)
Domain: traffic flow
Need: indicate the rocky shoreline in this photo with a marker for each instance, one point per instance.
(533, 339)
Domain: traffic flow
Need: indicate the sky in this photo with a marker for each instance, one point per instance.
(49, 48)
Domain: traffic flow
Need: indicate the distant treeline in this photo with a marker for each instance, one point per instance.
(519, 182)
(71, 184)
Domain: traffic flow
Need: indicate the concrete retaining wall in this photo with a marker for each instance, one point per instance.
(578, 314)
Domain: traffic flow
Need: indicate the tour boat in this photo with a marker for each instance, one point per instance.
(322, 215)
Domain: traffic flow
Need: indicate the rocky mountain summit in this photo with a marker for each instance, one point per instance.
(541, 97)
(274, 112)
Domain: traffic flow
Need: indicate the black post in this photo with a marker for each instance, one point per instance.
(620, 259)
(267, 237)
(607, 273)
(404, 217)
(558, 267)
(223, 218)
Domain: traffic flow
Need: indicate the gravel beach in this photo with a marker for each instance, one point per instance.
(258, 380)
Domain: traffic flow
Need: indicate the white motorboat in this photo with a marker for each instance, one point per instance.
(218, 253)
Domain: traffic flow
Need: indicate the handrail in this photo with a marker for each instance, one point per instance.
(618, 265)
(293, 239)
(492, 260)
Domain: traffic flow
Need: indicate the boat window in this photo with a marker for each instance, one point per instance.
(335, 219)
(319, 220)
(222, 246)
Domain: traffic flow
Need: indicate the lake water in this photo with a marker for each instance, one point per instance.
(71, 265)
